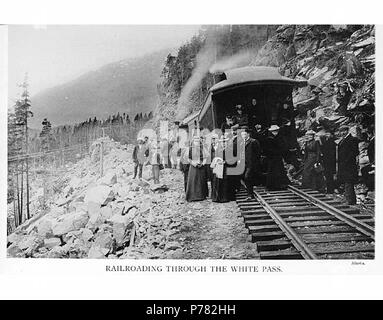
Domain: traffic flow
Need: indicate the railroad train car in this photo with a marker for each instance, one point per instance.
(264, 94)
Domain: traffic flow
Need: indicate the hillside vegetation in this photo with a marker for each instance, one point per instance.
(337, 60)
(128, 86)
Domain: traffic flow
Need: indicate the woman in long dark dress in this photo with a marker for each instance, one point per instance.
(196, 189)
(184, 163)
(274, 149)
(222, 190)
(312, 178)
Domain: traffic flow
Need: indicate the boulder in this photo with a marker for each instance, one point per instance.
(109, 179)
(86, 234)
(51, 242)
(95, 252)
(30, 243)
(63, 201)
(173, 245)
(44, 228)
(70, 236)
(120, 225)
(100, 194)
(106, 212)
(94, 211)
(74, 182)
(70, 222)
(78, 248)
(103, 240)
(13, 251)
(57, 252)
(15, 237)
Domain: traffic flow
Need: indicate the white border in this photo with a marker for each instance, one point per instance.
(76, 279)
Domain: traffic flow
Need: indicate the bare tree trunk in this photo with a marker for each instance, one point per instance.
(27, 180)
(18, 194)
(27, 169)
(15, 216)
(22, 188)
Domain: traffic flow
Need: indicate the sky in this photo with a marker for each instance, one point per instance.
(52, 55)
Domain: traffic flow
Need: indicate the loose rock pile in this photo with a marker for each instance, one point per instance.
(104, 217)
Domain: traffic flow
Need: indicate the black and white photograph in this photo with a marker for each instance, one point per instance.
(191, 142)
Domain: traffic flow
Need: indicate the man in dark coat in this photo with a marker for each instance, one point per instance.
(274, 148)
(347, 152)
(250, 154)
(241, 118)
(259, 134)
(368, 171)
(328, 152)
(140, 153)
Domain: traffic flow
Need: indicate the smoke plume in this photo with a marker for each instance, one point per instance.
(240, 59)
(206, 62)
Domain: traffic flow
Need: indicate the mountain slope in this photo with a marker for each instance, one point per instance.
(126, 86)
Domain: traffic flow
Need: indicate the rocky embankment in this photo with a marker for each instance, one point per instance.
(337, 60)
(95, 217)
(116, 216)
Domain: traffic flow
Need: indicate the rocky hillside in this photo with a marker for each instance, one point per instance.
(128, 86)
(188, 74)
(113, 216)
(338, 62)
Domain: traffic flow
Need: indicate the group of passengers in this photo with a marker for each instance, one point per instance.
(330, 161)
(244, 153)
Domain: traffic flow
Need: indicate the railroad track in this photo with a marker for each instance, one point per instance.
(301, 223)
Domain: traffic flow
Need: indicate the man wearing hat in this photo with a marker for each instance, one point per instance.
(312, 176)
(347, 151)
(328, 152)
(250, 154)
(140, 152)
(274, 149)
(227, 124)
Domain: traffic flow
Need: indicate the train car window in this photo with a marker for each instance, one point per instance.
(263, 104)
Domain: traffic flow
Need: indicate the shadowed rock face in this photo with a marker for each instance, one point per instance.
(337, 61)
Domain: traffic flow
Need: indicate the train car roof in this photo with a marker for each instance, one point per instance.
(190, 118)
(254, 75)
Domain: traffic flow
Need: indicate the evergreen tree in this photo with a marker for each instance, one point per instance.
(46, 135)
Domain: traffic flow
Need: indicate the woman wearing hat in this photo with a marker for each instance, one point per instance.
(196, 189)
(312, 176)
(274, 149)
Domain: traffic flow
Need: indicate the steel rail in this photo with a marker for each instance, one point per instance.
(298, 243)
(351, 221)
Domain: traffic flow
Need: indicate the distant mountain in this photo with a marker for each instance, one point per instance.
(128, 86)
